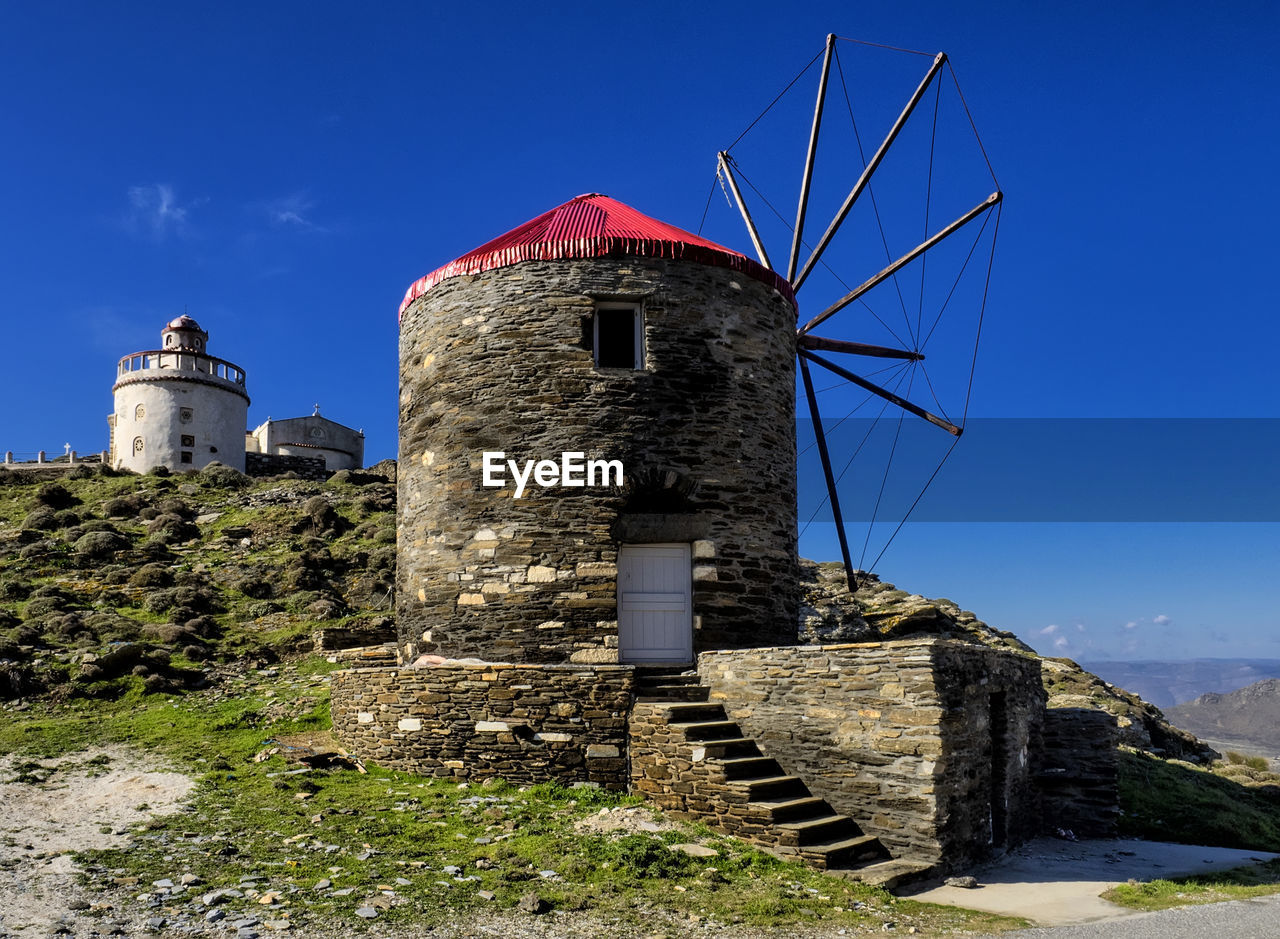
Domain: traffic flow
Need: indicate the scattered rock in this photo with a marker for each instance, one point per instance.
(695, 850)
(968, 883)
(367, 912)
(533, 904)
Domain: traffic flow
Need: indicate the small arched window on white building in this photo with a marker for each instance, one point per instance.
(138, 414)
(137, 444)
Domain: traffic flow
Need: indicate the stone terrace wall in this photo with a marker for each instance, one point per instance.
(1078, 783)
(524, 723)
(273, 464)
(502, 361)
(895, 735)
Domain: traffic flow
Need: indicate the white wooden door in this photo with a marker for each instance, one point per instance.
(655, 603)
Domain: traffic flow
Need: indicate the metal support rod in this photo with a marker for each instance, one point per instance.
(857, 348)
(871, 167)
(742, 207)
(825, 456)
(985, 206)
(883, 392)
(803, 207)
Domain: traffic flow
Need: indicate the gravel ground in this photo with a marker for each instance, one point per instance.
(79, 805)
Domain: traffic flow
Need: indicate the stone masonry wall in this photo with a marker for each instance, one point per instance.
(897, 735)
(524, 723)
(272, 464)
(1078, 783)
(502, 361)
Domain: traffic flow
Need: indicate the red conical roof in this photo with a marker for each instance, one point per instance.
(593, 226)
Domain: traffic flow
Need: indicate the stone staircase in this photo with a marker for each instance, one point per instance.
(690, 759)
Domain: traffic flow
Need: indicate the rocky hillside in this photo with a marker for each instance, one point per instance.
(1246, 719)
(879, 610)
(107, 579)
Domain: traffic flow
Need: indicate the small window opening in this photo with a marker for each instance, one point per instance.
(618, 336)
(188, 440)
(185, 457)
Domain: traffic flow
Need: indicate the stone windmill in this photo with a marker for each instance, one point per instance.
(597, 574)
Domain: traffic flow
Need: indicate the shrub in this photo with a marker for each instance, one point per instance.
(171, 529)
(321, 516)
(156, 551)
(68, 519)
(259, 610)
(26, 635)
(255, 587)
(96, 545)
(204, 626)
(217, 476)
(80, 471)
(195, 653)
(168, 633)
(154, 574)
(325, 609)
(177, 507)
(56, 496)
(147, 513)
(159, 470)
(14, 589)
(43, 606)
(41, 519)
(18, 680)
(192, 599)
(123, 506)
(113, 598)
(38, 549)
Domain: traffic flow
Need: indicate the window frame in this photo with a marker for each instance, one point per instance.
(636, 308)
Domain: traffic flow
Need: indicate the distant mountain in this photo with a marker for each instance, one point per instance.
(1165, 684)
(1246, 719)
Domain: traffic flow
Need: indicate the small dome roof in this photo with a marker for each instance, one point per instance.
(593, 226)
(184, 322)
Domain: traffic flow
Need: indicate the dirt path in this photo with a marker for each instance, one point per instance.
(52, 808)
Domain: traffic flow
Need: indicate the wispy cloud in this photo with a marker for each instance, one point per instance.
(155, 209)
(1061, 642)
(293, 211)
(1049, 630)
(1161, 620)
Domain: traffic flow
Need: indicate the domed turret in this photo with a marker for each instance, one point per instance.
(183, 334)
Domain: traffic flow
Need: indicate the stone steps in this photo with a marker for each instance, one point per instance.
(699, 764)
(674, 683)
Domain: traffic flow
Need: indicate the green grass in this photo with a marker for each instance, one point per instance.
(1173, 801)
(249, 819)
(1238, 884)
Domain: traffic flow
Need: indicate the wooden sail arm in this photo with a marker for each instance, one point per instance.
(870, 168)
(884, 393)
(985, 206)
(742, 208)
(797, 234)
(806, 341)
(825, 456)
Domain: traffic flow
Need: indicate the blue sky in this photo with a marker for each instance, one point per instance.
(284, 171)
